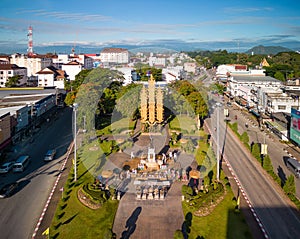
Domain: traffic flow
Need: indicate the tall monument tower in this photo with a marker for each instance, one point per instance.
(152, 104)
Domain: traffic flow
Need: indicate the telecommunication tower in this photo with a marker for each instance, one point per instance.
(30, 43)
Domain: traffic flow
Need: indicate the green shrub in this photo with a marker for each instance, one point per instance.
(289, 186)
(256, 152)
(267, 164)
(245, 138)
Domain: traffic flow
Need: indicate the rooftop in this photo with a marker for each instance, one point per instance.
(114, 50)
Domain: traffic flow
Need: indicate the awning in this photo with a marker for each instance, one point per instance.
(255, 113)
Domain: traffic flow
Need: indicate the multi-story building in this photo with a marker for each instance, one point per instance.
(280, 102)
(157, 61)
(115, 55)
(10, 70)
(72, 68)
(5, 129)
(33, 63)
(190, 67)
(86, 61)
(50, 76)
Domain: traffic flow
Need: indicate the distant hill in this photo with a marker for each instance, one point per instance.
(267, 50)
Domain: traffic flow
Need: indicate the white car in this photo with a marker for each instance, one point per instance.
(6, 167)
(50, 155)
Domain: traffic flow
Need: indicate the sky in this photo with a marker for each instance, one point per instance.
(98, 22)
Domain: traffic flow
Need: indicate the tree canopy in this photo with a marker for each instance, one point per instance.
(13, 81)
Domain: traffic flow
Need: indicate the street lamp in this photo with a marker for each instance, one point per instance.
(75, 107)
(218, 140)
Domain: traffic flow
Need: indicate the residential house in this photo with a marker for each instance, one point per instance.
(10, 70)
(50, 76)
(72, 68)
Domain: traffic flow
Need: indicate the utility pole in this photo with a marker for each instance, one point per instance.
(75, 106)
(218, 141)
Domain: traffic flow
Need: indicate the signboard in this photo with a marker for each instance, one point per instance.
(295, 126)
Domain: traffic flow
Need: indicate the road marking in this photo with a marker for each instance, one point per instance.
(52, 192)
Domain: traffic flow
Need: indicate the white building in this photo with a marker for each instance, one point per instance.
(170, 74)
(33, 63)
(253, 82)
(127, 74)
(115, 55)
(157, 61)
(280, 102)
(50, 76)
(84, 59)
(72, 68)
(190, 67)
(10, 70)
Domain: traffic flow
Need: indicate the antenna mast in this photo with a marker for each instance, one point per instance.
(30, 42)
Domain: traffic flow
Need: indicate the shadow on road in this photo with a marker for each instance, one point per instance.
(131, 223)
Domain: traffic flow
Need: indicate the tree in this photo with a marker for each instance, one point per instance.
(267, 164)
(156, 73)
(128, 103)
(13, 81)
(289, 186)
(279, 76)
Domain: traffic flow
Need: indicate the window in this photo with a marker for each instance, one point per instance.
(9, 72)
(281, 107)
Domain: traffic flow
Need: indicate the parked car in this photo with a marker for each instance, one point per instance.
(21, 163)
(8, 189)
(50, 155)
(6, 167)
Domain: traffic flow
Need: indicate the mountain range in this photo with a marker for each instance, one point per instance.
(161, 46)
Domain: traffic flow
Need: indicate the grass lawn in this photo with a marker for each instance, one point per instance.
(223, 223)
(74, 220)
(117, 127)
(184, 123)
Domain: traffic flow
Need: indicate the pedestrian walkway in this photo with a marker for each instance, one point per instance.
(151, 219)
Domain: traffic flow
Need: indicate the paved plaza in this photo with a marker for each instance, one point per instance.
(155, 216)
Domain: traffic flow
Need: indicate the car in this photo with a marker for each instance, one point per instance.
(8, 189)
(6, 167)
(50, 155)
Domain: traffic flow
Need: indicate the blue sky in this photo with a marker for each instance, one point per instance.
(131, 21)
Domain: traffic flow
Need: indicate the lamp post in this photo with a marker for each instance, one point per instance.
(218, 140)
(75, 106)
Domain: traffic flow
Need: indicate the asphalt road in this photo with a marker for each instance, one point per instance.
(20, 212)
(279, 218)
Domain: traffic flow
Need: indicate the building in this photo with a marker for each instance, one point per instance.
(115, 55)
(4, 59)
(72, 68)
(157, 61)
(129, 74)
(170, 74)
(33, 64)
(10, 70)
(5, 129)
(254, 82)
(50, 76)
(280, 102)
(85, 59)
(190, 67)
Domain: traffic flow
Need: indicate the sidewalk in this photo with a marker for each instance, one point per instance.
(276, 150)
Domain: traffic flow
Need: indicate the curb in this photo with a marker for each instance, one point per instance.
(242, 191)
(52, 191)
